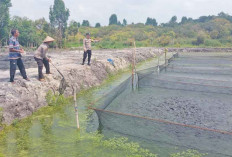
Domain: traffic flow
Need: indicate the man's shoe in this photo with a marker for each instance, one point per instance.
(27, 79)
(83, 63)
(13, 82)
(89, 64)
(42, 80)
(49, 73)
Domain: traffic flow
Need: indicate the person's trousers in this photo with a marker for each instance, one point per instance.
(13, 65)
(89, 53)
(40, 63)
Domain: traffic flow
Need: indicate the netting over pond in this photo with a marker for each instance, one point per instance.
(187, 104)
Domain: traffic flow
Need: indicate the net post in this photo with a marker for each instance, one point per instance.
(75, 106)
(165, 53)
(133, 65)
(158, 66)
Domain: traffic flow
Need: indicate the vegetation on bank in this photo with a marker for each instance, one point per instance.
(214, 31)
(206, 31)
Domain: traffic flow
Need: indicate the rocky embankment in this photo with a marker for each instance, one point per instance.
(21, 99)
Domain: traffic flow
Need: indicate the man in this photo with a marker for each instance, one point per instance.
(15, 56)
(42, 59)
(87, 48)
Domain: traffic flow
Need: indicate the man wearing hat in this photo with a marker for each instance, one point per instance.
(15, 56)
(41, 57)
(87, 48)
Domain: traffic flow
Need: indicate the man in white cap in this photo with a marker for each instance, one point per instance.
(41, 57)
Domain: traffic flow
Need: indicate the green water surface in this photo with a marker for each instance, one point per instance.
(51, 131)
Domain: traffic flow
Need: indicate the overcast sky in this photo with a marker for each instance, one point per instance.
(132, 10)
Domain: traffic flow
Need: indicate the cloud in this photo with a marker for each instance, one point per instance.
(132, 10)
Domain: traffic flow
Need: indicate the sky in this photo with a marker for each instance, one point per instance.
(132, 10)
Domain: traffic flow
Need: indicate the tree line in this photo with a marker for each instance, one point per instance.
(214, 31)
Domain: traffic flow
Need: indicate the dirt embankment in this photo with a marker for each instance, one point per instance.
(21, 99)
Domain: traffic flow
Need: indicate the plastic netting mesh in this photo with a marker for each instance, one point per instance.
(190, 138)
(187, 108)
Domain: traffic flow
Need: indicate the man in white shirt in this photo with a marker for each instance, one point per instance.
(87, 48)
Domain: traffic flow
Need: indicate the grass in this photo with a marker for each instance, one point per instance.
(209, 43)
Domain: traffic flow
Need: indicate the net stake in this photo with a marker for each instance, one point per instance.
(165, 52)
(133, 65)
(158, 69)
(76, 110)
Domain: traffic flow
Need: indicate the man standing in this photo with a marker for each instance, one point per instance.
(15, 56)
(87, 48)
(42, 59)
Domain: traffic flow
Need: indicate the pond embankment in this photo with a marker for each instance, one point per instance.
(21, 99)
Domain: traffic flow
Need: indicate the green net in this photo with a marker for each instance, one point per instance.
(185, 108)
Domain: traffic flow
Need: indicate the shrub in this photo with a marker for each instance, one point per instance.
(164, 40)
(212, 43)
(56, 99)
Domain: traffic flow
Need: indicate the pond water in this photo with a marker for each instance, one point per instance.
(51, 131)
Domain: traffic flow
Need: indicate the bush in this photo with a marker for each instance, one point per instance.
(56, 99)
(164, 40)
(213, 43)
(200, 40)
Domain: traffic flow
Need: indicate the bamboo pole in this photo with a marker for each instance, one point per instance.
(133, 64)
(158, 66)
(76, 109)
(165, 51)
(134, 57)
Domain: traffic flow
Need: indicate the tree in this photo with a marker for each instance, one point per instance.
(73, 28)
(119, 23)
(172, 35)
(164, 40)
(4, 19)
(200, 39)
(184, 20)
(172, 22)
(42, 25)
(190, 19)
(78, 24)
(31, 32)
(97, 25)
(58, 16)
(124, 22)
(205, 19)
(85, 23)
(113, 20)
(151, 21)
(226, 16)
(173, 19)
